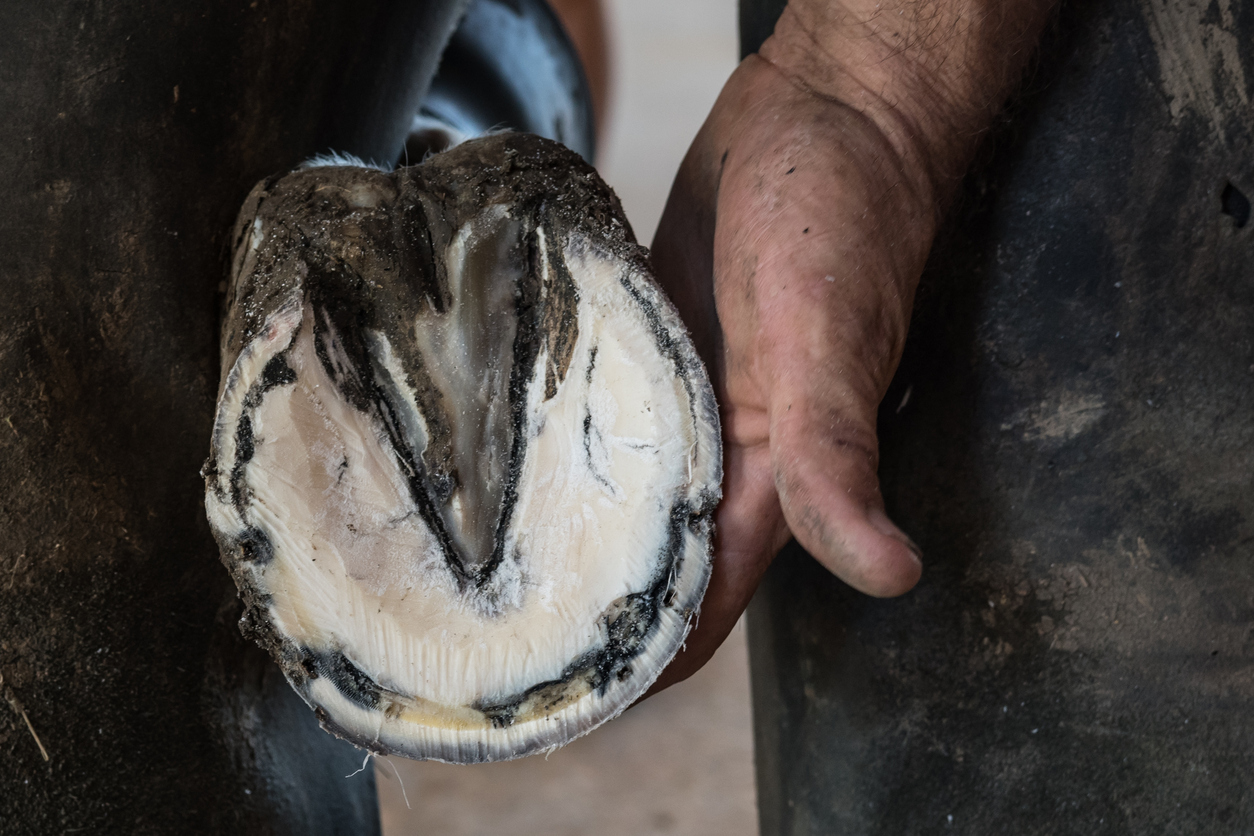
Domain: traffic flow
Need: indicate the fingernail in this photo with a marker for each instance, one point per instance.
(880, 521)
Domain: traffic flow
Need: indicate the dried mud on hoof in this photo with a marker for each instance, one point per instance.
(465, 457)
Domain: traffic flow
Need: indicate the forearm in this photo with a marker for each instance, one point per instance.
(930, 74)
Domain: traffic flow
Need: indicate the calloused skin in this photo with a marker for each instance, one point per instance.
(792, 242)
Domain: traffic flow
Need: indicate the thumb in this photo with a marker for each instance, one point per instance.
(825, 474)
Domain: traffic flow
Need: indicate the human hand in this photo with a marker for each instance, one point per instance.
(791, 244)
(793, 239)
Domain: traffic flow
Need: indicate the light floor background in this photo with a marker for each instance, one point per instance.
(681, 762)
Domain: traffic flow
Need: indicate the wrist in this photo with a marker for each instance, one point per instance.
(930, 74)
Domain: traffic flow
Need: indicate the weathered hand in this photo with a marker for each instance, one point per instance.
(794, 237)
(792, 242)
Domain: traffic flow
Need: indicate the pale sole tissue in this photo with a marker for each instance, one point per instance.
(465, 458)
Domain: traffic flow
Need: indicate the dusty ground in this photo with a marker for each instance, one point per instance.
(682, 762)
